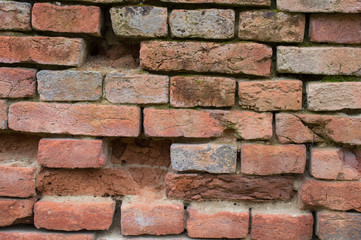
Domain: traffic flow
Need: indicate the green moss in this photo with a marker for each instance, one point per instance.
(340, 79)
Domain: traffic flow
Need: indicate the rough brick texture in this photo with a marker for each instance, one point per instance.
(154, 218)
(14, 210)
(42, 235)
(205, 23)
(69, 85)
(227, 187)
(15, 16)
(338, 225)
(270, 95)
(205, 124)
(193, 91)
(269, 26)
(143, 21)
(3, 114)
(259, 159)
(17, 82)
(336, 28)
(212, 158)
(137, 88)
(78, 119)
(319, 60)
(72, 153)
(333, 96)
(348, 6)
(17, 181)
(225, 2)
(67, 19)
(42, 50)
(232, 58)
(73, 214)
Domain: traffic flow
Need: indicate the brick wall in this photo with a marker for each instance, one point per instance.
(180, 119)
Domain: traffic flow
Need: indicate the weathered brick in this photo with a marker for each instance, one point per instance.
(69, 85)
(72, 153)
(26, 234)
(14, 210)
(43, 50)
(335, 28)
(257, 159)
(232, 58)
(141, 151)
(338, 225)
(348, 6)
(333, 96)
(336, 163)
(205, 124)
(17, 181)
(3, 114)
(333, 195)
(74, 213)
(224, 2)
(281, 220)
(203, 23)
(139, 21)
(228, 187)
(202, 91)
(213, 158)
(217, 220)
(67, 19)
(100, 182)
(271, 26)
(15, 16)
(17, 82)
(77, 119)
(319, 60)
(18, 148)
(136, 88)
(160, 217)
(300, 128)
(270, 95)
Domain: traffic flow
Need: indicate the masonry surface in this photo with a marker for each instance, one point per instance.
(180, 119)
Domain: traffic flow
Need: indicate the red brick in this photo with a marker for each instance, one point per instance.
(42, 50)
(282, 226)
(76, 119)
(228, 187)
(205, 124)
(154, 218)
(74, 213)
(15, 16)
(217, 220)
(336, 163)
(72, 153)
(18, 148)
(25, 234)
(333, 96)
(136, 88)
(319, 60)
(17, 181)
(333, 195)
(224, 2)
(17, 82)
(100, 182)
(257, 159)
(202, 91)
(141, 151)
(14, 210)
(271, 26)
(335, 28)
(270, 95)
(67, 19)
(3, 114)
(338, 225)
(231, 58)
(301, 128)
(347, 6)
